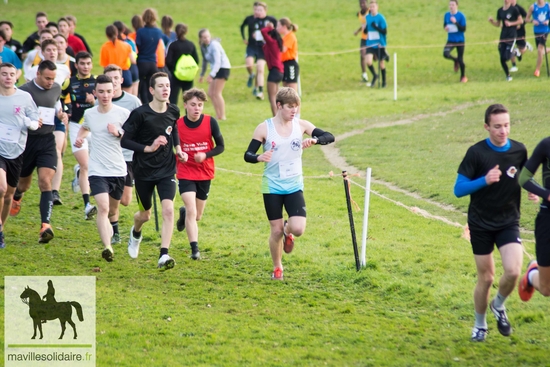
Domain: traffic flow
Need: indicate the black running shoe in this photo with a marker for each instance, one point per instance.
(195, 253)
(478, 335)
(502, 320)
(107, 254)
(180, 224)
(56, 198)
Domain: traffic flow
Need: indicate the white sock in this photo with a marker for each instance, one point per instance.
(531, 275)
(481, 321)
(498, 301)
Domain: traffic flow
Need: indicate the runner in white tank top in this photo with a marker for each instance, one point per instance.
(282, 182)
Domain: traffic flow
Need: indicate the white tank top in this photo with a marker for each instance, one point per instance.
(283, 174)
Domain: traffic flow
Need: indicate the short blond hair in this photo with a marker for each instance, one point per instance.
(112, 67)
(287, 95)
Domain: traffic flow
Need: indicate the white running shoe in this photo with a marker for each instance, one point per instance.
(166, 262)
(529, 46)
(365, 77)
(76, 183)
(513, 69)
(133, 244)
(508, 78)
(89, 211)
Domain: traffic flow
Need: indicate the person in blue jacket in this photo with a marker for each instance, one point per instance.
(454, 23)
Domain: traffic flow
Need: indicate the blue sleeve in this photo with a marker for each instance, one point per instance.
(464, 186)
(384, 25)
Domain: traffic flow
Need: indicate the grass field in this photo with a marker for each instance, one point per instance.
(411, 306)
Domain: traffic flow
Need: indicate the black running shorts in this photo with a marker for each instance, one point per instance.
(129, 181)
(505, 50)
(12, 167)
(201, 188)
(540, 39)
(542, 237)
(166, 189)
(295, 205)
(292, 71)
(114, 186)
(483, 241)
(274, 76)
(40, 152)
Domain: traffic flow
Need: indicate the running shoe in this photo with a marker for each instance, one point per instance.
(89, 211)
(56, 198)
(478, 335)
(509, 78)
(260, 96)
(456, 66)
(250, 81)
(115, 239)
(464, 79)
(195, 253)
(75, 183)
(180, 224)
(383, 84)
(517, 52)
(133, 244)
(2, 241)
(529, 46)
(166, 262)
(254, 91)
(537, 73)
(107, 254)
(46, 233)
(277, 274)
(502, 320)
(288, 240)
(15, 207)
(364, 77)
(513, 69)
(525, 289)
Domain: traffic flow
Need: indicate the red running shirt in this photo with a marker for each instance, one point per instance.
(193, 141)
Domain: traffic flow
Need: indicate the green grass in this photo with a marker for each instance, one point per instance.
(411, 305)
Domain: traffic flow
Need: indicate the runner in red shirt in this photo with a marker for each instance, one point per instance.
(272, 48)
(201, 139)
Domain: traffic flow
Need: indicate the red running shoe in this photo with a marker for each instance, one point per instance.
(524, 289)
(277, 274)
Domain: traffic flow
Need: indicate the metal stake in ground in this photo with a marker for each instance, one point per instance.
(155, 210)
(351, 224)
(546, 56)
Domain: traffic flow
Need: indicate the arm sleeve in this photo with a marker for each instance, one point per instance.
(526, 177)
(218, 139)
(245, 23)
(323, 137)
(380, 29)
(175, 135)
(464, 186)
(250, 155)
(129, 127)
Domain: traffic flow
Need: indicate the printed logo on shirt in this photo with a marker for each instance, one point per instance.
(511, 172)
(296, 144)
(508, 16)
(168, 130)
(17, 110)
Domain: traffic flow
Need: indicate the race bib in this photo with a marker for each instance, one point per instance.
(47, 114)
(291, 168)
(258, 35)
(452, 28)
(9, 134)
(374, 35)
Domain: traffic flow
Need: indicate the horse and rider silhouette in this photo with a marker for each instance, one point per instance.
(50, 309)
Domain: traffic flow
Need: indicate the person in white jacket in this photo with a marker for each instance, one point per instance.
(214, 54)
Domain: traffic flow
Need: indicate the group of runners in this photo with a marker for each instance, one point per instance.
(511, 18)
(121, 141)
